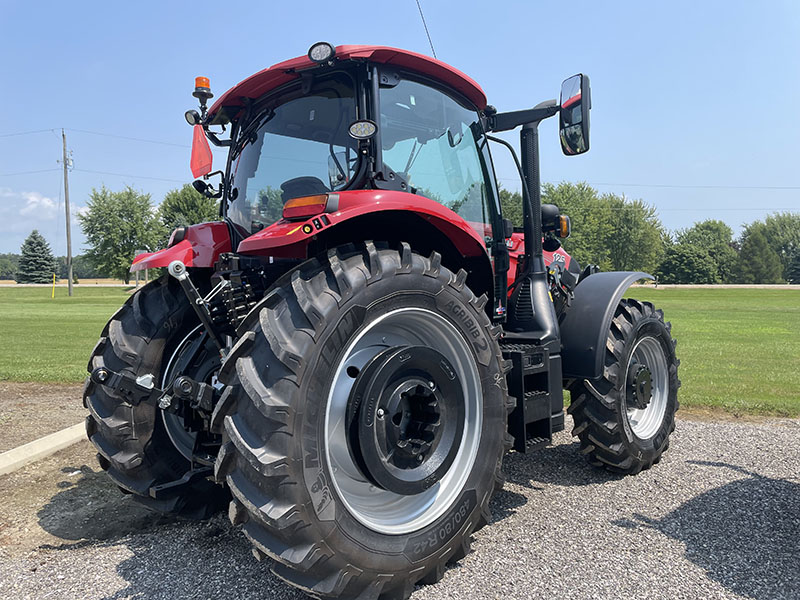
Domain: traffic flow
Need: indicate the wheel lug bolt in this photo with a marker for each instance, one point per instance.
(380, 412)
(431, 385)
(420, 457)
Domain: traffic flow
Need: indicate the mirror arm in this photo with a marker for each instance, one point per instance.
(509, 120)
(214, 139)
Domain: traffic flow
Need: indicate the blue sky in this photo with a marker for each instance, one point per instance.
(686, 94)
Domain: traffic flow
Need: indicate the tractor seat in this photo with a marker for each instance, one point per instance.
(302, 186)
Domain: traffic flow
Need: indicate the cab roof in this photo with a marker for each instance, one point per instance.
(267, 80)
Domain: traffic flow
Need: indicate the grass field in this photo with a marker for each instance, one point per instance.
(49, 340)
(739, 348)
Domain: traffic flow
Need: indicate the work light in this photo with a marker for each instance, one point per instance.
(362, 130)
(321, 52)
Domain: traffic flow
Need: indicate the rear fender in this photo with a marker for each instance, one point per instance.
(584, 328)
(201, 246)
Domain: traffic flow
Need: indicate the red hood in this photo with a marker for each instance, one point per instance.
(267, 80)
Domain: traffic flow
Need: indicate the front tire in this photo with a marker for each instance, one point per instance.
(333, 417)
(624, 418)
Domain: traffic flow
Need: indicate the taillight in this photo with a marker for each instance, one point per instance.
(564, 227)
(305, 206)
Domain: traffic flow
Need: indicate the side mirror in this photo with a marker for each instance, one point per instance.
(508, 228)
(573, 116)
(337, 169)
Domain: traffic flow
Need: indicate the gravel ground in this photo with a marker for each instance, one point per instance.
(29, 411)
(719, 517)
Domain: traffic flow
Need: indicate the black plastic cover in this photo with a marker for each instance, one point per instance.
(585, 326)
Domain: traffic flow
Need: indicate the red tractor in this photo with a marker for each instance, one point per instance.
(348, 354)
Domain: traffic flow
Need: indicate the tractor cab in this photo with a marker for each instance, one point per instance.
(347, 124)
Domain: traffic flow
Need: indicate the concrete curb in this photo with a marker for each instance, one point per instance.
(27, 453)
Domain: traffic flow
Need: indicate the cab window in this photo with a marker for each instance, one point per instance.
(431, 140)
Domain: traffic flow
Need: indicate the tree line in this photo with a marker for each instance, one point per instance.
(81, 267)
(618, 233)
(117, 226)
(609, 230)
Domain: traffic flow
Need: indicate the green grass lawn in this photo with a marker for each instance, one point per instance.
(739, 348)
(49, 340)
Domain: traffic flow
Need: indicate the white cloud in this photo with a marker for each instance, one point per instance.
(23, 211)
(79, 210)
(38, 205)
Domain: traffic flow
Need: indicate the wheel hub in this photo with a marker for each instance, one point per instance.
(405, 419)
(409, 424)
(640, 386)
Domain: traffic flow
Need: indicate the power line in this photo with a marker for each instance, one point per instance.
(28, 172)
(123, 137)
(129, 175)
(704, 187)
(697, 209)
(5, 135)
(679, 186)
(425, 25)
(100, 133)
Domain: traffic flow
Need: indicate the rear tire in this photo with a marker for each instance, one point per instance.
(300, 498)
(133, 443)
(624, 419)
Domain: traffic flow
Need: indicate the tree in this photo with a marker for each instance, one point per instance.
(687, 263)
(117, 225)
(270, 205)
(81, 268)
(782, 231)
(9, 263)
(758, 263)
(37, 263)
(186, 206)
(511, 205)
(590, 217)
(717, 239)
(636, 238)
(609, 230)
(793, 275)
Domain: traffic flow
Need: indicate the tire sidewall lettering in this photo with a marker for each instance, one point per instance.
(316, 478)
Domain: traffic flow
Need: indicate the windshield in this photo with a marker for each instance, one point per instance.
(302, 147)
(432, 142)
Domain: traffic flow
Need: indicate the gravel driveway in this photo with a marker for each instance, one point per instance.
(719, 517)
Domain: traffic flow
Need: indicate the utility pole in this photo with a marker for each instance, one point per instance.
(66, 161)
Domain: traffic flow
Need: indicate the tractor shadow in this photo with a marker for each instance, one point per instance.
(165, 557)
(189, 560)
(745, 534)
(557, 465)
(92, 510)
(168, 557)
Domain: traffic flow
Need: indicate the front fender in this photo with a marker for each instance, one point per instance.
(584, 328)
(290, 239)
(201, 246)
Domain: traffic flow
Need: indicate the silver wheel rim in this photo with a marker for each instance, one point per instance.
(645, 422)
(181, 438)
(382, 510)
